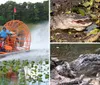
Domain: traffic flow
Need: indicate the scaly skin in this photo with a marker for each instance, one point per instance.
(72, 21)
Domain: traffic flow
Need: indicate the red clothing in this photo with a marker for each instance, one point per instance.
(1, 45)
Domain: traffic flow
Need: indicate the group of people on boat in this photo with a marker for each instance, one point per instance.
(10, 40)
(3, 35)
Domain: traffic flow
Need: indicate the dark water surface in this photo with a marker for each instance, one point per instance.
(70, 52)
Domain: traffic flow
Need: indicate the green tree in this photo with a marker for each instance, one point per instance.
(26, 12)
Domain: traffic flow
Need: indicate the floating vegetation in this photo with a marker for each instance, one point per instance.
(16, 72)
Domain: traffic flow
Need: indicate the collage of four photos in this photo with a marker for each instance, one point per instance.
(49, 42)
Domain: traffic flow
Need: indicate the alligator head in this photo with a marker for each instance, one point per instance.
(72, 21)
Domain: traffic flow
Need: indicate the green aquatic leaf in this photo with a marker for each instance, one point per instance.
(89, 9)
(93, 16)
(94, 31)
(74, 9)
(25, 62)
(18, 62)
(68, 12)
(40, 62)
(97, 22)
(40, 79)
(40, 75)
(86, 4)
(91, 2)
(81, 11)
(46, 76)
(4, 62)
(46, 61)
(33, 81)
(32, 62)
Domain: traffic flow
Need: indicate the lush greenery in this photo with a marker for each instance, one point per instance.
(27, 12)
(89, 7)
(83, 7)
(25, 71)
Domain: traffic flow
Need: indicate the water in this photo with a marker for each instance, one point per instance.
(35, 55)
(41, 67)
(70, 52)
(39, 43)
(39, 35)
(39, 49)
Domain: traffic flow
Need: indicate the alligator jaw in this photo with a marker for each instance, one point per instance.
(79, 28)
(76, 22)
(84, 21)
(81, 24)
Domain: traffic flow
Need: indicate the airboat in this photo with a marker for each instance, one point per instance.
(19, 40)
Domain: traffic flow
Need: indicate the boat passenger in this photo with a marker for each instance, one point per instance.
(1, 44)
(4, 33)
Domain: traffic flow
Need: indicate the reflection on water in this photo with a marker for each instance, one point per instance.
(70, 52)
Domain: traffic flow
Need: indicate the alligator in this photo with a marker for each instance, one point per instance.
(70, 21)
(85, 70)
(87, 64)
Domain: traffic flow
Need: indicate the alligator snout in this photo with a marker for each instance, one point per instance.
(82, 21)
(63, 21)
